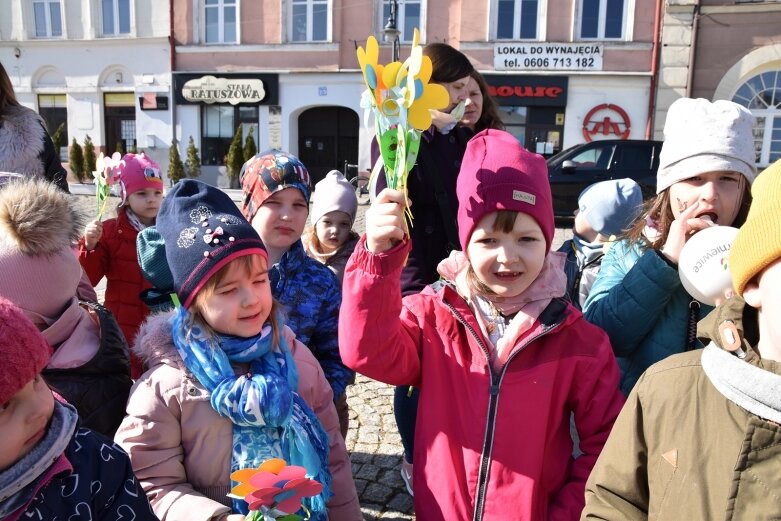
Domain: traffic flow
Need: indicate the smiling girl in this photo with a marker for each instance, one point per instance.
(108, 249)
(229, 386)
(705, 169)
(501, 358)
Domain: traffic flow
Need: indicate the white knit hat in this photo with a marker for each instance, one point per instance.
(333, 193)
(700, 136)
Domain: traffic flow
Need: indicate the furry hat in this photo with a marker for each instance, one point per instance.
(38, 228)
(23, 350)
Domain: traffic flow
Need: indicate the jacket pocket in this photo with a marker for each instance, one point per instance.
(661, 484)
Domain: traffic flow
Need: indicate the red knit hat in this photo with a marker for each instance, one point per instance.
(497, 173)
(22, 348)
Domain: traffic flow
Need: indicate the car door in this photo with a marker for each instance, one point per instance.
(590, 164)
(636, 161)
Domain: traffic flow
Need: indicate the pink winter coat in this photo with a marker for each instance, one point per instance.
(487, 446)
(180, 448)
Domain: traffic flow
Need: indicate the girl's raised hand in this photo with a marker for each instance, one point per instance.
(681, 229)
(92, 234)
(385, 224)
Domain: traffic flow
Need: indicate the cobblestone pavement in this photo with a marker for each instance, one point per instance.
(372, 441)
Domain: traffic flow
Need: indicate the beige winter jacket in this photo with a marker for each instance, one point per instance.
(680, 450)
(180, 448)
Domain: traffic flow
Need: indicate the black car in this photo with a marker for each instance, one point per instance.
(573, 169)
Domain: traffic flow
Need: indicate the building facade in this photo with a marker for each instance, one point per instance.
(99, 68)
(725, 50)
(145, 73)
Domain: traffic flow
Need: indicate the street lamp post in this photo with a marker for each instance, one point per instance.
(391, 31)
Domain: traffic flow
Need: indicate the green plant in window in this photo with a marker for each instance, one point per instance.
(89, 157)
(76, 160)
(175, 165)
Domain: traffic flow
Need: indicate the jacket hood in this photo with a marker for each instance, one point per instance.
(154, 342)
(734, 310)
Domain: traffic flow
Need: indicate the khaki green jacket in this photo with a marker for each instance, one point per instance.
(680, 450)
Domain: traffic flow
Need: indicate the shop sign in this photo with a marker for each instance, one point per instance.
(606, 120)
(513, 91)
(209, 89)
(535, 56)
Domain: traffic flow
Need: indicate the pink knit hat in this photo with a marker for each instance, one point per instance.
(38, 226)
(23, 349)
(137, 173)
(497, 173)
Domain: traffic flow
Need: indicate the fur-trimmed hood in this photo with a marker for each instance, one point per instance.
(36, 218)
(22, 137)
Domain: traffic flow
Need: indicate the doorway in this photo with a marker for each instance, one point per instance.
(120, 122)
(544, 130)
(328, 138)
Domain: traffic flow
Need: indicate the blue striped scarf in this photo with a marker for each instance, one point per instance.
(270, 419)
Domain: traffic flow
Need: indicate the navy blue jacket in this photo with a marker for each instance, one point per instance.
(101, 485)
(311, 295)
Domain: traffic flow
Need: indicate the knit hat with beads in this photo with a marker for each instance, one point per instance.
(758, 243)
(203, 231)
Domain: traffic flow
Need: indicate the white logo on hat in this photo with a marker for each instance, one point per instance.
(524, 197)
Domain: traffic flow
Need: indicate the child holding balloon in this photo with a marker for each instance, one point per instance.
(706, 168)
(698, 436)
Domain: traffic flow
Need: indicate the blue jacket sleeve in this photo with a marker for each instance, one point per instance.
(629, 295)
(324, 342)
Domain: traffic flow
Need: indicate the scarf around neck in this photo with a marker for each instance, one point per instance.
(523, 310)
(748, 386)
(73, 334)
(20, 482)
(270, 419)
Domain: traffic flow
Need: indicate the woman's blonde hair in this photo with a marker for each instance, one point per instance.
(247, 264)
(505, 222)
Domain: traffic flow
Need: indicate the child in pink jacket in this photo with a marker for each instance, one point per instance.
(228, 386)
(501, 358)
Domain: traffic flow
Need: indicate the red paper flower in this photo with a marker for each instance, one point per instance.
(275, 485)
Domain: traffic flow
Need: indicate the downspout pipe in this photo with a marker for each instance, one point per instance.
(172, 51)
(655, 51)
(693, 48)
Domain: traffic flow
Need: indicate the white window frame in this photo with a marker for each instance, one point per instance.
(541, 18)
(220, 7)
(766, 116)
(400, 19)
(47, 8)
(310, 20)
(116, 31)
(626, 29)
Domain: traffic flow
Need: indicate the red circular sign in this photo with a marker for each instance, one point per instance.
(606, 119)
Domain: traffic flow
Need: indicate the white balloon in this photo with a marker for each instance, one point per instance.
(703, 264)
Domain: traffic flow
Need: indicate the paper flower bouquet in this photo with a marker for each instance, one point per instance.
(399, 96)
(274, 491)
(107, 173)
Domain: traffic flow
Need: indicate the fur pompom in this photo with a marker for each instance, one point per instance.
(38, 218)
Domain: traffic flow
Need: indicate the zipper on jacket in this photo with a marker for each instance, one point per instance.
(493, 402)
